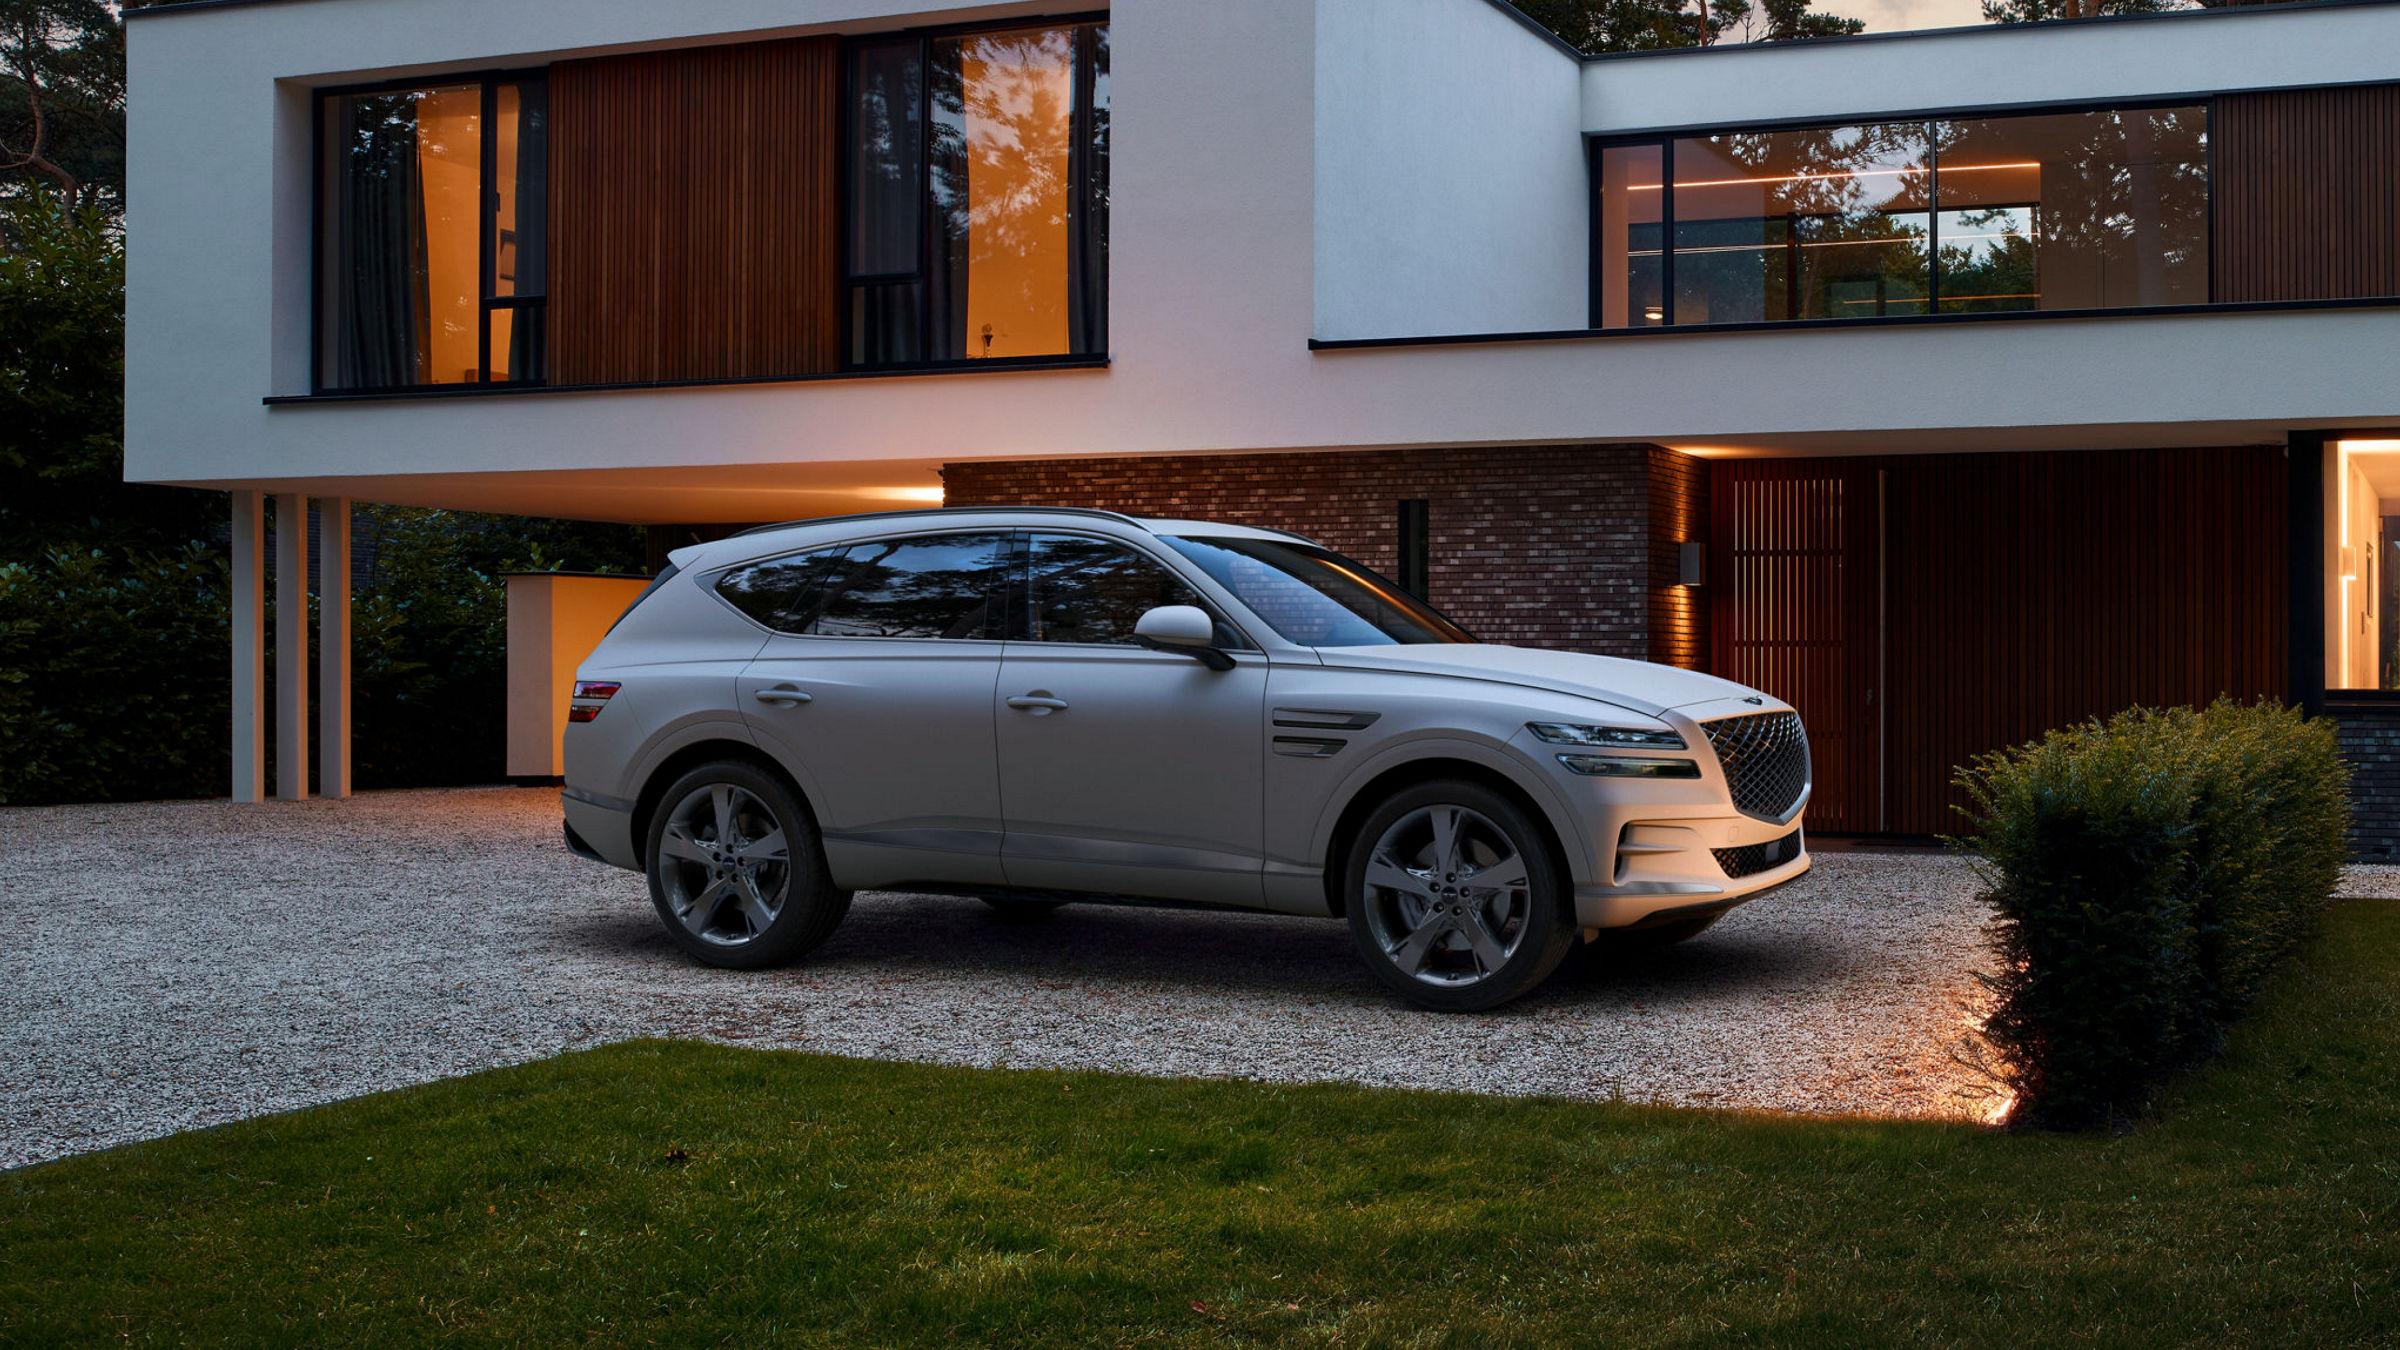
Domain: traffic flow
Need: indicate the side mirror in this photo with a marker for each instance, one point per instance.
(1185, 629)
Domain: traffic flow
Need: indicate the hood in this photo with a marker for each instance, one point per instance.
(1636, 685)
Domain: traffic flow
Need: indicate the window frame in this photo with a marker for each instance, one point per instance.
(924, 37)
(489, 82)
(1018, 602)
(1663, 140)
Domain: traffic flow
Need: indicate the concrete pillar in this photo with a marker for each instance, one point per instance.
(291, 646)
(249, 600)
(333, 646)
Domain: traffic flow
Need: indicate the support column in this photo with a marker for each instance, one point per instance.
(291, 646)
(333, 646)
(248, 596)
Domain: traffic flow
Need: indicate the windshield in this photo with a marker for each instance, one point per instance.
(1315, 598)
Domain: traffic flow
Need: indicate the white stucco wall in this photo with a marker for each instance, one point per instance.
(1217, 256)
(2199, 52)
(1448, 197)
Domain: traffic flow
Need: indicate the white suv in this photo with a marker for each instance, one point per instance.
(1034, 706)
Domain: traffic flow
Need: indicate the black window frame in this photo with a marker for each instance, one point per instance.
(486, 263)
(1663, 140)
(1078, 192)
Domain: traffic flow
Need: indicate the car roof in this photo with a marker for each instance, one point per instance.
(763, 540)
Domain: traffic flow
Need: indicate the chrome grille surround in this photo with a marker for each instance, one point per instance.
(1765, 758)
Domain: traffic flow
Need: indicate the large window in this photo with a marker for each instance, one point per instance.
(432, 246)
(2050, 211)
(977, 212)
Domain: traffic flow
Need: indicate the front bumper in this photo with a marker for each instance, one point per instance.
(1689, 864)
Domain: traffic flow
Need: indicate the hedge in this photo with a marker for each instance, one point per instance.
(2146, 874)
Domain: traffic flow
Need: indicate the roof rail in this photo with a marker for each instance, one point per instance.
(1118, 516)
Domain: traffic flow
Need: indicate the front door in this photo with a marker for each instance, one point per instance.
(1124, 770)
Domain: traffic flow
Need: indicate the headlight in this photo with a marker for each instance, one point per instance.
(1639, 738)
(1617, 766)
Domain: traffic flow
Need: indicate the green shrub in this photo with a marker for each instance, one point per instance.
(113, 676)
(2146, 874)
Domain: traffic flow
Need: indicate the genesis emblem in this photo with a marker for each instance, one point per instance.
(1754, 699)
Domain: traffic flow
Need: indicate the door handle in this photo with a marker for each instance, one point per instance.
(1037, 703)
(784, 694)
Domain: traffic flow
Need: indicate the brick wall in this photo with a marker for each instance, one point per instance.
(1540, 546)
(2370, 740)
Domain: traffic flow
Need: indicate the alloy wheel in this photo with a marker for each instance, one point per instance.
(1448, 895)
(724, 864)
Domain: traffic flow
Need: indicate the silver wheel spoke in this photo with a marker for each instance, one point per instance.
(766, 848)
(754, 905)
(1489, 953)
(722, 797)
(675, 843)
(1508, 874)
(1411, 953)
(1392, 876)
(1445, 840)
(704, 906)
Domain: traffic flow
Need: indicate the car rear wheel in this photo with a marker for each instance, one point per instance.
(1454, 899)
(736, 869)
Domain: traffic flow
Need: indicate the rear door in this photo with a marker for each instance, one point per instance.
(1122, 769)
(877, 691)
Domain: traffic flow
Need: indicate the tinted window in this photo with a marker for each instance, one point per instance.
(1082, 589)
(931, 586)
(779, 593)
(1316, 598)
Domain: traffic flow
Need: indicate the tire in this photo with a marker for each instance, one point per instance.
(1429, 933)
(1023, 911)
(763, 905)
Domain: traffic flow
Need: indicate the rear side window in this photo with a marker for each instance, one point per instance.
(925, 586)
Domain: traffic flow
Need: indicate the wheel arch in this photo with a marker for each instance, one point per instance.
(689, 757)
(1371, 793)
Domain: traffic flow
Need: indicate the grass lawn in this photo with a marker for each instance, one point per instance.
(683, 1194)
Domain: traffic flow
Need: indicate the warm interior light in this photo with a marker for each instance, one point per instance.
(2369, 447)
(1844, 173)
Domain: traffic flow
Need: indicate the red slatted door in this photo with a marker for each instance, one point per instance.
(1794, 577)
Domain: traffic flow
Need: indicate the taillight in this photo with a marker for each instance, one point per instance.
(589, 695)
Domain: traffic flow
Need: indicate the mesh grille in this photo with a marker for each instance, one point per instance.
(1752, 859)
(1765, 757)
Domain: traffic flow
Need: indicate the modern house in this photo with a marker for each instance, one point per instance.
(1952, 385)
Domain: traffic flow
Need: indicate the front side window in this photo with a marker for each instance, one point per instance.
(1082, 589)
(978, 196)
(432, 240)
(2054, 211)
(1314, 597)
(926, 586)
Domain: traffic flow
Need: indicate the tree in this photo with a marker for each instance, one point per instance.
(62, 100)
(1653, 25)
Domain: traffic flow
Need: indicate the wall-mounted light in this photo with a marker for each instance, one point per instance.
(1691, 564)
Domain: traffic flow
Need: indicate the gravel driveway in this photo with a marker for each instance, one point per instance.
(172, 965)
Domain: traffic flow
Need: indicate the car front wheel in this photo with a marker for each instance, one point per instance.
(736, 869)
(1454, 899)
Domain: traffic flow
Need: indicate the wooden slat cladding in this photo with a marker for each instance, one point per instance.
(695, 223)
(2307, 194)
(1791, 587)
(2030, 591)
(1923, 610)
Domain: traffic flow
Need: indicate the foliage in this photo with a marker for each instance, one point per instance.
(62, 101)
(1650, 25)
(683, 1194)
(112, 676)
(2147, 873)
